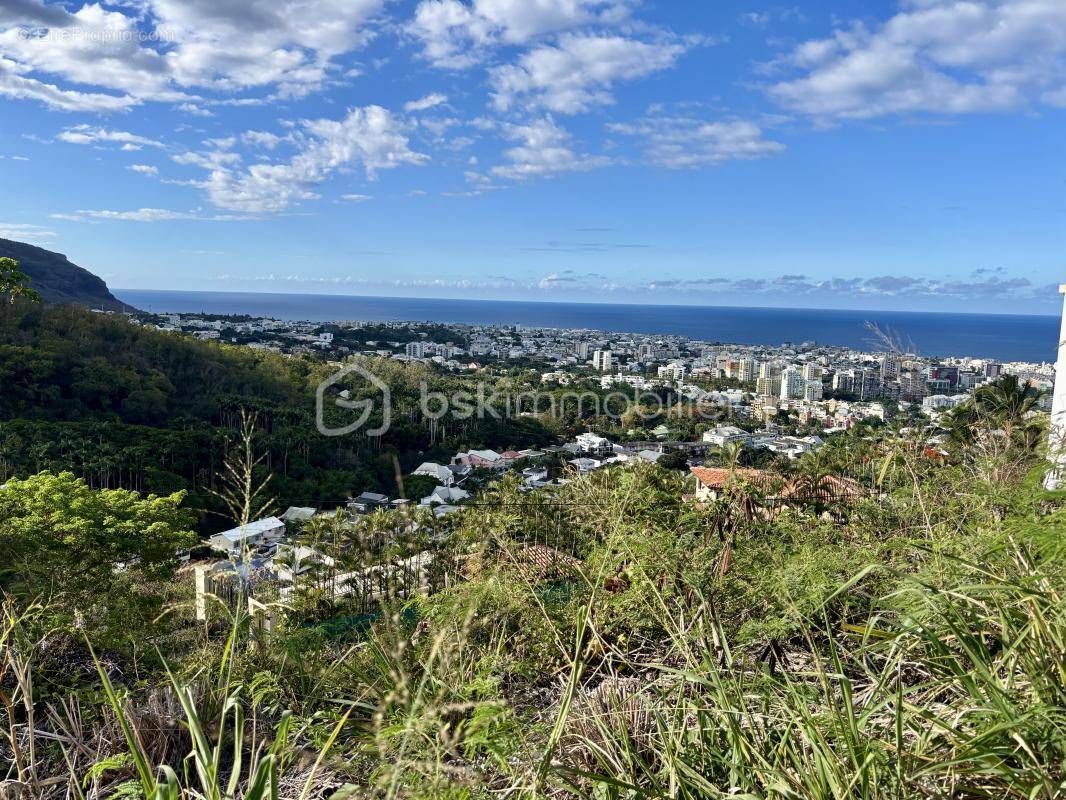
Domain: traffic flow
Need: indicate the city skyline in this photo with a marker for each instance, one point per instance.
(871, 155)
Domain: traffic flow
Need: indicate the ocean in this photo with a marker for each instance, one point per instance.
(1006, 337)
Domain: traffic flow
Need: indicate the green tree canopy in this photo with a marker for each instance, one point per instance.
(85, 547)
(14, 282)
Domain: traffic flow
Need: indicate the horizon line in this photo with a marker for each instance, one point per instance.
(593, 303)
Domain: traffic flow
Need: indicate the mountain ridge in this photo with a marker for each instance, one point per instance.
(59, 280)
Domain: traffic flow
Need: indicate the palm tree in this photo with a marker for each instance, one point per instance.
(1008, 400)
(732, 455)
(1003, 405)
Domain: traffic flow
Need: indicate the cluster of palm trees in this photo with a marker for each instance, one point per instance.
(1006, 406)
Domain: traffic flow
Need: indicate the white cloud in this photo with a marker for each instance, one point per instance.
(15, 84)
(87, 134)
(264, 139)
(456, 35)
(235, 44)
(148, 215)
(682, 142)
(544, 150)
(195, 110)
(429, 101)
(357, 198)
(937, 56)
(578, 72)
(371, 138)
(144, 169)
(159, 50)
(91, 46)
(21, 231)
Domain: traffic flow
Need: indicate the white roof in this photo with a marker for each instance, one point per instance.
(430, 468)
(445, 494)
(252, 529)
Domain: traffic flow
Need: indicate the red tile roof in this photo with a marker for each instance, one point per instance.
(718, 477)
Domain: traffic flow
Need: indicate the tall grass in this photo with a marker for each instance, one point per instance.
(950, 683)
(962, 695)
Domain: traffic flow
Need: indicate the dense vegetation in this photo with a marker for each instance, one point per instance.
(123, 406)
(610, 639)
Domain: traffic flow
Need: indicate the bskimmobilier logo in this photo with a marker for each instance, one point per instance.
(340, 400)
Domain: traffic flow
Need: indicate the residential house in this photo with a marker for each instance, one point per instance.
(297, 514)
(593, 445)
(650, 456)
(368, 502)
(585, 464)
(263, 531)
(711, 481)
(448, 495)
(481, 459)
(438, 471)
(727, 434)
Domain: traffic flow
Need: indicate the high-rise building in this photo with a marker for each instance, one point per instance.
(745, 370)
(812, 372)
(769, 386)
(602, 361)
(912, 386)
(416, 349)
(993, 370)
(813, 390)
(843, 380)
(793, 386)
(581, 350)
(889, 367)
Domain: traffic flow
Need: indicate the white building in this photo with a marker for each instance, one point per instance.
(942, 402)
(262, 531)
(602, 361)
(585, 464)
(445, 495)
(673, 372)
(793, 386)
(438, 471)
(746, 369)
(727, 434)
(416, 349)
(594, 445)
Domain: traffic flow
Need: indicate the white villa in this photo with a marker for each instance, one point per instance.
(255, 533)
(438, 471)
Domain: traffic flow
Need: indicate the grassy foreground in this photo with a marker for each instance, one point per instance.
(910, 643)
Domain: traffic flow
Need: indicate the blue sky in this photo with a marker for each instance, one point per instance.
(849, 154)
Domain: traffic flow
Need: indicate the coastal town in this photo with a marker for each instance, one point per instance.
(832, 386)
(769, 402)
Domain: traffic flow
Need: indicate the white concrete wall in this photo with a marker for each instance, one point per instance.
(1057, 437)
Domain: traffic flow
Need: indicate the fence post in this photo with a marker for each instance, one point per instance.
(201, 594)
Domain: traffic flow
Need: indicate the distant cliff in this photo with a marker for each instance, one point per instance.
(58, 280)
